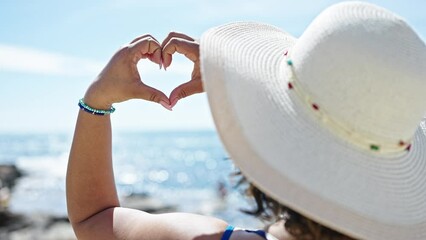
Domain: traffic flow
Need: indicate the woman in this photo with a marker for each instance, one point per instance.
(327, 124)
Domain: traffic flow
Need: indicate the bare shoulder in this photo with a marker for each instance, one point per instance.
(278, 231)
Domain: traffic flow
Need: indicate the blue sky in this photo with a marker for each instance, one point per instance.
(51, 50)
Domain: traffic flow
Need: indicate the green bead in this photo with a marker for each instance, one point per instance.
(289, 62)
(97, 111)
(374, 147)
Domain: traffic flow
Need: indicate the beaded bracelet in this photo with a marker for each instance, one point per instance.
(94, 111)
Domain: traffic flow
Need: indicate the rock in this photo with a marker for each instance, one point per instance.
(8, 175)
(59, 231)
(11, 222)
(43, 227)
(27, 227)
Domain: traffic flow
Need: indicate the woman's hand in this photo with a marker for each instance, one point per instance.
(120, 80)
(181, 43)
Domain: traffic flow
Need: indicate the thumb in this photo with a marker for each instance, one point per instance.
(148, 93)
(185, 90)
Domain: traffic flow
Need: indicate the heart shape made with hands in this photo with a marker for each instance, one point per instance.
(162, 54)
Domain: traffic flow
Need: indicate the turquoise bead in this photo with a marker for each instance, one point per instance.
(374, 147)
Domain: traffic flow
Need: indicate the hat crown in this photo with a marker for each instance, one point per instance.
(365, 68)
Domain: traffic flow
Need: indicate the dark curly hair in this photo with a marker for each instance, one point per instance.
(271, 211)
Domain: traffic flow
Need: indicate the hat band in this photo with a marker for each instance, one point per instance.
(338, 128)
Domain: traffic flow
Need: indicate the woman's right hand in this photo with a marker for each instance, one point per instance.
(183, 44)
(120, 80)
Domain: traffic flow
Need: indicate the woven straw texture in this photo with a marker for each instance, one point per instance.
(342, 61)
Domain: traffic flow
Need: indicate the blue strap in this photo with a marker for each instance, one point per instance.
(258, 232)
(230, 229)
(228, 232)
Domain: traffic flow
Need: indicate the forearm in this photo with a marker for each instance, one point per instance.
(90, 179)
(91, 192)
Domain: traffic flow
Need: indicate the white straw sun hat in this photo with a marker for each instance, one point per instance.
(329, 124)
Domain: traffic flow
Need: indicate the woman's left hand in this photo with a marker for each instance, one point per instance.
(120, 80)
(186, 45)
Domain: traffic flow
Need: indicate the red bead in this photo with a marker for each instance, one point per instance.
(408, 147)
(290, 85)
(286, 53)
(315, 107)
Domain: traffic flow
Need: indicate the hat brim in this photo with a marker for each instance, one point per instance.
(279, 145)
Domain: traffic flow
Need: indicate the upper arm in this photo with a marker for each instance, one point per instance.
(129, 224)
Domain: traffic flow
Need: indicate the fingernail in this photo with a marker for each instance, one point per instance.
(166, 105)
(174, 101)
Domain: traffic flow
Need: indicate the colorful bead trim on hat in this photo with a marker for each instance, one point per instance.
(337, 127)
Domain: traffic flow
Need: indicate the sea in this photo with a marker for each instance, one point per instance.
(189, 170)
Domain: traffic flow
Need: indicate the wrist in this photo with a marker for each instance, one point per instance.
(96, 103)
(94, 111)
(96, 98)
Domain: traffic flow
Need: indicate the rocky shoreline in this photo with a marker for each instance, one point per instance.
(15, 226)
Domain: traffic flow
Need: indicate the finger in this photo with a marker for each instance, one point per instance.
(143, 36)
(147, 47)
(189, 48)
(151, 94)
(185, 90)
(176, 35)
(155, 57)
